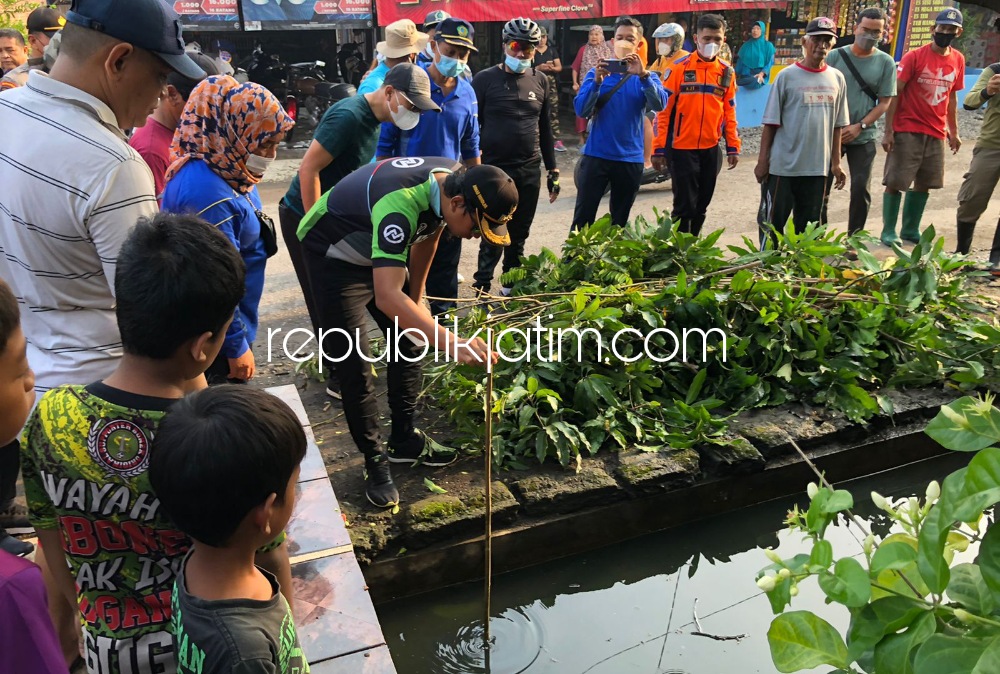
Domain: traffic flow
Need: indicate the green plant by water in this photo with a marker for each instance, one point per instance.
(803, 324)
(913, 610)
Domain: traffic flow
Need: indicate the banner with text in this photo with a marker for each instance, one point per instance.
(636, 7)
(285, 14)
(488, 10)
(208, 14)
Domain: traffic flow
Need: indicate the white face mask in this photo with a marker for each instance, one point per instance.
(403, 118)
(258, 165)
(663, 49)
(709, 50)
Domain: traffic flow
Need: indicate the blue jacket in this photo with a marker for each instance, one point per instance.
(197, 189)
(616, 133)
(451, 133)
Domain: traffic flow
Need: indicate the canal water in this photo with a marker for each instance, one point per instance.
(631, 607)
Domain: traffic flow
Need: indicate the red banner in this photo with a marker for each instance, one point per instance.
(638, 7)
(489, 10)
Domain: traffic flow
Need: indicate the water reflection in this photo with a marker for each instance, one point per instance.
(630, 607)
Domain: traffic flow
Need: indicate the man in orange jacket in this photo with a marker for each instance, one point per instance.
(701, 106)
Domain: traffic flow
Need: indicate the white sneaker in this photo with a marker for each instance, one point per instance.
(461, 279)
(505, 291)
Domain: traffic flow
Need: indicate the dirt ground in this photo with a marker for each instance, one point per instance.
(733, 208)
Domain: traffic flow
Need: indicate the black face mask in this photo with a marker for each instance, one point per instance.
(944, 40)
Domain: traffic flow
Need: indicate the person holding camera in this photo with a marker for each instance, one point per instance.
(615, 95)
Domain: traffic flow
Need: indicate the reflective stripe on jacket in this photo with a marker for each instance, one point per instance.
(701, 105)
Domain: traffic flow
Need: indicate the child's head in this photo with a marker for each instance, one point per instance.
(177, 285)
(17, 381)
(224, 463)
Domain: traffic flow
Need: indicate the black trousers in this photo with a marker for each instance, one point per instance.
(859, 164)
(695, 173)
(442, 278)
(800, 197)
(10, 464)
(528, 180)
(345, 293)
(289, 221)
(594, 176)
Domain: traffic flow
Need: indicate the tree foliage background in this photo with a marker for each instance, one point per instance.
(13, 12)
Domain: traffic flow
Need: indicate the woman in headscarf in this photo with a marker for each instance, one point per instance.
(596, 49)
(755, 58)
(227, 136)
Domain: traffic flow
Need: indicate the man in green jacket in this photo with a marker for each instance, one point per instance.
(984, 172)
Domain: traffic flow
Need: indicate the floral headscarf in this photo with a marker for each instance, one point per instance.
(594, 54)
(223, 123)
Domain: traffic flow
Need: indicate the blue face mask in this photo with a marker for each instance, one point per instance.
(450, 67)
(516, 64)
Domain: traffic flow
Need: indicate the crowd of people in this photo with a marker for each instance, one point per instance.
(134, 266)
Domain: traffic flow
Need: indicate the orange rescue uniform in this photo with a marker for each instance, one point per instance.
(662, 65)
(702, 109)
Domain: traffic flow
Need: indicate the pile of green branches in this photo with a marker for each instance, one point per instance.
(802, 323)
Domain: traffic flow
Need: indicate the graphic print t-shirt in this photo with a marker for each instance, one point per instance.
(85, 460)
(235, 636)
(930, 80)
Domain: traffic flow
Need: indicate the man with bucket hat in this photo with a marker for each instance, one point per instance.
(923, 114)
(368, 244)
(402, 43)
(42, 24)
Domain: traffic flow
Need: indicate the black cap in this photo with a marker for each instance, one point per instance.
(457, 32)
(152, 25)
(434, 18)
(949, 17)
(493, 195)
(821, 25)
(45, 20)
(412, 81)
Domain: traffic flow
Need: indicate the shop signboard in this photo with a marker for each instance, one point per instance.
(208, 14)
(920, 22)
(488, 10)
(285, 14)
(636, 7)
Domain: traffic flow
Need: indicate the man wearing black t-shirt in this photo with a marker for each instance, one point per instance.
(515, 135)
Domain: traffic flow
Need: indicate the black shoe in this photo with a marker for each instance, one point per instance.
(15, 546)
(333, 386)
(14, 516)
(379, 487)
(418, 448)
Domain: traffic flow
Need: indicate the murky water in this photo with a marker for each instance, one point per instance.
(630, 607)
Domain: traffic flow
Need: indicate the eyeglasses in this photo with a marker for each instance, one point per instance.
(521, 46)
(409, 104)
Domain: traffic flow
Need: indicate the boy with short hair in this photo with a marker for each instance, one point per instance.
(111, 548)
(27, 641)
(224, 464)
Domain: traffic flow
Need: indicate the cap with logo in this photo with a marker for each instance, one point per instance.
(401, 39)
(492, 195)
(412, 81)
(45, 20)
(152, 25)
(949, 17)
(457, 32)
(821, 25)
(434, 18)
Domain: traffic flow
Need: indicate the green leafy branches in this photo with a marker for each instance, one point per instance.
(913, 611)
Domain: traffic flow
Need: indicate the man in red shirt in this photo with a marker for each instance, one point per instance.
(152, 141)
(924, 113)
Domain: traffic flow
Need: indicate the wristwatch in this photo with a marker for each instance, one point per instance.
(864, 126)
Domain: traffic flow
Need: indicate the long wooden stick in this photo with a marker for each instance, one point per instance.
(488, 453)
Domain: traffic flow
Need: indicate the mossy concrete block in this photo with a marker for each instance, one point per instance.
(737, 457)
(764, 433)
(567, 491)
(443, 516)
(918, 404)
(664, 470)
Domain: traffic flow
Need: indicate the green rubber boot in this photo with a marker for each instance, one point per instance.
(890, 214)
(913, 211)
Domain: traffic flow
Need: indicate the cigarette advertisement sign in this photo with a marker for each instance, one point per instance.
(488, 10)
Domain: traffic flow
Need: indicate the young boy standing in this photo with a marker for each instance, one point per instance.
(224, 464)
(107, 541)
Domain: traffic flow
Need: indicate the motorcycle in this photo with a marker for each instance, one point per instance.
(310, 94)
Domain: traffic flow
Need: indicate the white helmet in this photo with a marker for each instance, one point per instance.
(668, 31)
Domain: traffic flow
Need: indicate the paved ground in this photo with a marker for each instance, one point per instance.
(734, 209)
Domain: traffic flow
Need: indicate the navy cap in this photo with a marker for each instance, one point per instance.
(433, 19)
(152, 25)
(457, 32)
(949, 17)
